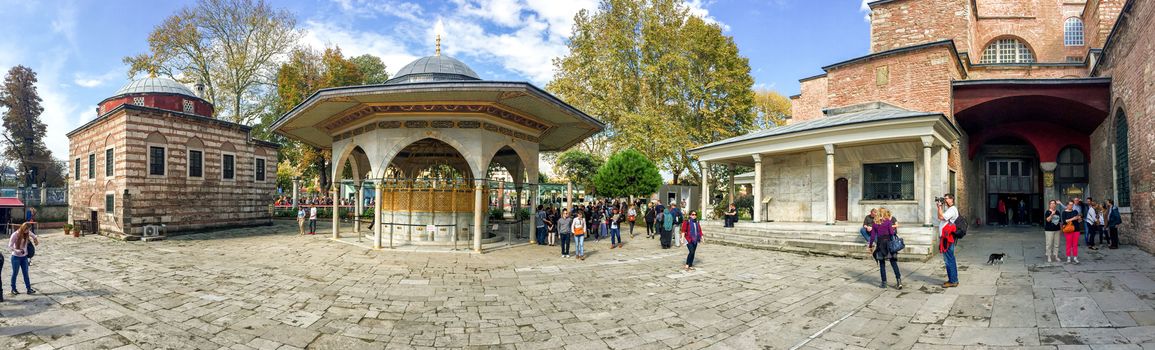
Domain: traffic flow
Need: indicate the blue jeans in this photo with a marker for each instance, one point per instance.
(20, 264)
(865, 234)
(951, 265)
(312, 225)
(563, 240)
(690, 258)
(615, 235)
(541, 235)
(580, 241)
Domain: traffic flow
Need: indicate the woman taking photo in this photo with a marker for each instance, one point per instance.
(19, 246)
(1051, 219)
(1071, 232)
(882, 233)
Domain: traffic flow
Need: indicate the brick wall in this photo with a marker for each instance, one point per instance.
(905, 23)
(175, 199)
(1099, 17)
(810, 101)
(85, 194)
(917, 80)
(1128, 62)
(1039, 23)
(1027, 72)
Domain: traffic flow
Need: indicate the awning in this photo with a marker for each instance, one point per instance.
(11, 203)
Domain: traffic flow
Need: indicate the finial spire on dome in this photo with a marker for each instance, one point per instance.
(438, 44)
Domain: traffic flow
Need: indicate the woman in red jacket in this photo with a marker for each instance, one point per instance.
(692, 230)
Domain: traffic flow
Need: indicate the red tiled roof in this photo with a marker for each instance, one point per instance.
(11, 203)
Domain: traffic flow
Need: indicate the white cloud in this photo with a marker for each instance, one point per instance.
(698, 8)
(865, 8)
(354, 43)
(91, 81)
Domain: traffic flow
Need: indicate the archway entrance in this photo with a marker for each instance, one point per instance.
(1012, 181)
(841, 198)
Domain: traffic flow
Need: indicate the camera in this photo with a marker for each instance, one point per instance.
(939, 199)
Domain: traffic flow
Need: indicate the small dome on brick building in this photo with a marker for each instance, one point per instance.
(433, 68)
(158, 92)
(155, 85)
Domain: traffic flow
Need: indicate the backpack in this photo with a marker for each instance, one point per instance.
(668, 222)
(960, 225)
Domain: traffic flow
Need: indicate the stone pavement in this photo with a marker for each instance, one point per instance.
(266, 288)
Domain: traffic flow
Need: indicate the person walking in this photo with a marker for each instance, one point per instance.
(301, 221)
(650, 217)
(632, 216)
(882, 233)
(550, 226)
(666, 228)
(1071, 229)
(19, 245)
(1051, 219)
(946, 219)
(677, 213)
(1113, 221)
(313, 220)
(615, 224)
(565, 231)
(579, 235)
(693, 231)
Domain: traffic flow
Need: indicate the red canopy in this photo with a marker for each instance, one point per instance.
(11, 203)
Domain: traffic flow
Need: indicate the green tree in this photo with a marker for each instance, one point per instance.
(627, 174)
(372, 69)
(24, 131)
(771, 109)
(578, 167)
(231, 46)
(663, 80)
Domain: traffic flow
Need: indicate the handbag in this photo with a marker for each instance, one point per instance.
(1069, 227)
(895, 245)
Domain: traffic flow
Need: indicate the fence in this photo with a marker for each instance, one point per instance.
(37, 196)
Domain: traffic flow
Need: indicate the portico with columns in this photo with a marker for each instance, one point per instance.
(825, 175)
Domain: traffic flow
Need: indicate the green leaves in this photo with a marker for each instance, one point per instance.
(578, 167)
(663, 80)
(627, 173)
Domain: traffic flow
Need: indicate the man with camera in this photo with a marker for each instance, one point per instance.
(947, 217)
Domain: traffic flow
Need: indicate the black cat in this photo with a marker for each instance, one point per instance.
(996, 258)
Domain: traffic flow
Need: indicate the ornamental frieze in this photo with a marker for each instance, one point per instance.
(365, 111)
(440, 124)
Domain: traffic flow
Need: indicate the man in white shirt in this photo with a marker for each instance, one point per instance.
(948, 216)
(313, 220)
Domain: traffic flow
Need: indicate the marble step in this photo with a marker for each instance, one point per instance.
(913, 251)
(850, 237)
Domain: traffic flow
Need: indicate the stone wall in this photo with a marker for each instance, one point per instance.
(1128, 62)
(175, 199)
(905, 23)
(1027, 72)
(797, 184)
(85, 194)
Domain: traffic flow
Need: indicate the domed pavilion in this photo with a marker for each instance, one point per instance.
(437, 145)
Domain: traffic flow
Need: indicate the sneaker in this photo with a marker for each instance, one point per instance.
(1068, 259)
(1049, 259)
(949, 285)
(14, 292)
(882, 285)
(898, 285)
(31, 291)
(1076, 260)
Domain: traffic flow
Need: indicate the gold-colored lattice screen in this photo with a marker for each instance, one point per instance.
(426, 196)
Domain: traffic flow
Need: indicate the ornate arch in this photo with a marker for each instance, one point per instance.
(387, 155)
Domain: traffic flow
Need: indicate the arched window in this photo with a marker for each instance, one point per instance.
(1073, 32)
(1122, 165)
(1072, 166)
(1007, 50)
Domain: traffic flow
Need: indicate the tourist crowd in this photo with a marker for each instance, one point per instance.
(286, 201)
(606, 219)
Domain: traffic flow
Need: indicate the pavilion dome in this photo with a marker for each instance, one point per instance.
(155, 85)
(433, 68)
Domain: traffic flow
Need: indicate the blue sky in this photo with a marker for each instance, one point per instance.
(76, 46)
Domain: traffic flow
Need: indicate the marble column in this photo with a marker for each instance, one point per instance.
(477, 215)
(377, 215)
(1049, 190)
(730, 185)
(358, 207)
(336, 212)
(757, 188)
(568, 195)
(829, 183)
(706, 212)
(296, 191)
(927, 173)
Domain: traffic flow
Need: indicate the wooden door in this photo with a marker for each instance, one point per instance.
(841, 188)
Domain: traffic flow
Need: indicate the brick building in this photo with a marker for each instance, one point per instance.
(156, 156)
(1033, 99)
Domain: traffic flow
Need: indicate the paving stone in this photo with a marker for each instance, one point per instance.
(1080, 312)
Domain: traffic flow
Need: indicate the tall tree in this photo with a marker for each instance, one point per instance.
(372, 69)
(231, 46)
(305, 72)
(771, 109)
(578, 167)
(24, 132)
(662, 79)
(627, 174)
